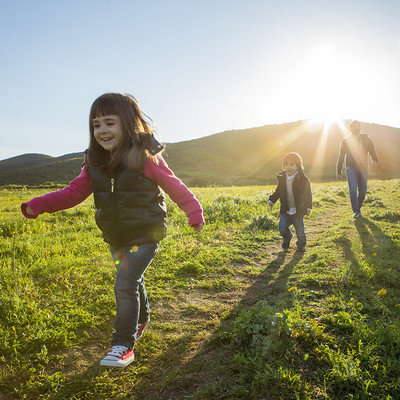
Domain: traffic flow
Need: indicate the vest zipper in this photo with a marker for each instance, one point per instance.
(112, 185)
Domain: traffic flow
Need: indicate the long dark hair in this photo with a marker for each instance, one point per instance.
(135, 127)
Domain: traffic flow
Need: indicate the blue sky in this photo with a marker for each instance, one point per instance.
(196, 67)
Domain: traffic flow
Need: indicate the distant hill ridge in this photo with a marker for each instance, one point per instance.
(33, 160)
(238, 157)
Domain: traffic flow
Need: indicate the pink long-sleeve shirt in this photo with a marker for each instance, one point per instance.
(80, 189)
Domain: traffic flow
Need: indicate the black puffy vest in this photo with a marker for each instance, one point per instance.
(130, 207)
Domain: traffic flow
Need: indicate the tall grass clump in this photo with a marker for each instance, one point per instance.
(263, 223)
(225, 209)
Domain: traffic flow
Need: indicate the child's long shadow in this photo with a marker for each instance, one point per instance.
(271, 283)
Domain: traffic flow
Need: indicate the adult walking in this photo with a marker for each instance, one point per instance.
(355, 148)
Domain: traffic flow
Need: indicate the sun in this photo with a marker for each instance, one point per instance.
(317, 85)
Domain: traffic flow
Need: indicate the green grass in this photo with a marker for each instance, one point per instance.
(233, 317)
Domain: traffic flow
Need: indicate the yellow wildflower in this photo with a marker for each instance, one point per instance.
(382, 292)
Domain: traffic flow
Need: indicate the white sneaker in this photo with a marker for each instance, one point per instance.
(118, 356)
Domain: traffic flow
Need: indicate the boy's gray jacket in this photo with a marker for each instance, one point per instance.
(301, 192)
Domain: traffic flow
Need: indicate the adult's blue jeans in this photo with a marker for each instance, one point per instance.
(357, 180)
(297, 220)
(130, 292)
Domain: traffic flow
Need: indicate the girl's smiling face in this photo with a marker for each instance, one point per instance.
(291, 168)
(107, 131)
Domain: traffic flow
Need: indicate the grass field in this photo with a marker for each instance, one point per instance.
(233, 316)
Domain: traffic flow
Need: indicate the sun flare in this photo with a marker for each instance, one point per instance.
(317, 87)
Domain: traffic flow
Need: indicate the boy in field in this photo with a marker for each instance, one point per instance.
(294, 192)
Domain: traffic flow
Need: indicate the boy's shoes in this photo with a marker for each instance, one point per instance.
(118, 356)
(301, 249)
(285, 244)
(141, 328)
(356, 215)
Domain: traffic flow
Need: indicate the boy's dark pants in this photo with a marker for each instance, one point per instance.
(297, 220)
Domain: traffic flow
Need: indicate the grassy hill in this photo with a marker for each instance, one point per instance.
(39, 169)
(239, 157)
(253, 156)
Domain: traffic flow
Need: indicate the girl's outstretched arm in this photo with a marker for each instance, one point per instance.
(176, 190)
(77, 191)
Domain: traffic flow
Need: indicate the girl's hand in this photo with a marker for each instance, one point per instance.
(198, 227)
(29, 211)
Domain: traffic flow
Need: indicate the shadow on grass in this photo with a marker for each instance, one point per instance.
(375, 243)
(380, 251)
(377, 247)
(380, 256)
(271, 283)
(209, 366)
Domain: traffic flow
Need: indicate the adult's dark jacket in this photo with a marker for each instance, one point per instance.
(355, 150)
(130, 207)
(301, 191)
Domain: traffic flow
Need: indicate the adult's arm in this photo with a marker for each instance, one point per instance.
(372, 151)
